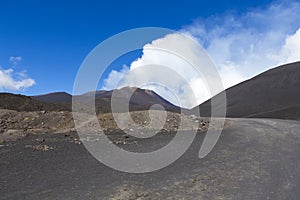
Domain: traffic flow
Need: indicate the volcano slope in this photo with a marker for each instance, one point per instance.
(140, 99)
(272, 94)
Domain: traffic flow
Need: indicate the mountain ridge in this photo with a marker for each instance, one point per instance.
(274, 93)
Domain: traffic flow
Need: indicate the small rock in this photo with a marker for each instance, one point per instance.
(26, 119)
(39, 147)
(11, 131)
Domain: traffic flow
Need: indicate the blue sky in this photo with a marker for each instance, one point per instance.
(52, 38)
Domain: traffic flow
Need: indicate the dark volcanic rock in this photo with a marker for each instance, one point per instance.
(272, 94)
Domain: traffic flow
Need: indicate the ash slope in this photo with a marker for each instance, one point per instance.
(272, 94)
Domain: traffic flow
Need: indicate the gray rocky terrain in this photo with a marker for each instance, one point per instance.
(253, 159)
(256, 157)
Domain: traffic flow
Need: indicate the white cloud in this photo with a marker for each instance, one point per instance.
(14, 81)
(291, 48)
(15, 60)
(240, 45)
(230, 74)
(254, 41)
(111, 82)
(8, 82)
(163, 71)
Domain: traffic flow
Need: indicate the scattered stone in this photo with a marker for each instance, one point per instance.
(39, 147)
(77, 141)
(11, 131)
(26, 119)
(40, 140)
(18, 124)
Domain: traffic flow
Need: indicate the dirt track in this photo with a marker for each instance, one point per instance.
(254, 159)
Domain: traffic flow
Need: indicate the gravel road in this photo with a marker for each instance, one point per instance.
(253, 159)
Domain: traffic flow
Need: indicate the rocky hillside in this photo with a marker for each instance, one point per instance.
(17, 124)
(26, 103)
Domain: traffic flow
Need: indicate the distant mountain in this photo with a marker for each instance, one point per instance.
(26, 103)
(272, 94)
(56, 97)
(141, 99)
